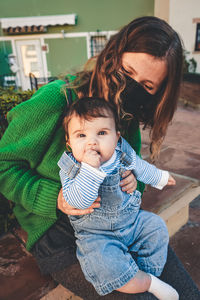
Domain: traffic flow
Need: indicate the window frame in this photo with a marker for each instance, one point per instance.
(90, 35)
(96, 47)
(197, 37)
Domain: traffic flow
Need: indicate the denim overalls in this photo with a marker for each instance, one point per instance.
(117, 239)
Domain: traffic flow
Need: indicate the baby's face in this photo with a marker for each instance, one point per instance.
(97, 134)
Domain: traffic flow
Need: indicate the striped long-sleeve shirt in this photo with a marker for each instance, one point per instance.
(82, 190)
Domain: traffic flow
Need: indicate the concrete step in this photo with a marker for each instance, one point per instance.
(172, 204)
(180, 155)
(186, 242)
(60, 293)
(20, 278)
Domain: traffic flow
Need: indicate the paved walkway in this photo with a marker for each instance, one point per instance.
(181, 155)
(19, 276)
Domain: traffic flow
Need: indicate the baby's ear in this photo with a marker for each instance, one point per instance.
(68, 147)
(118, 134)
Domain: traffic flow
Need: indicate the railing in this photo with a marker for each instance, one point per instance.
(8, 80)
(36, 82)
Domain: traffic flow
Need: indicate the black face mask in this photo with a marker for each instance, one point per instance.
(137, 101)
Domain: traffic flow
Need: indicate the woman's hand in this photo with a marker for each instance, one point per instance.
(70, 210)
(129, 183)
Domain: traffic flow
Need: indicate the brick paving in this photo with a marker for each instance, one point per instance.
(186, 242)
(181, 155)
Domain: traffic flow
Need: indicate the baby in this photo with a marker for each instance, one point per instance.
(119, 246)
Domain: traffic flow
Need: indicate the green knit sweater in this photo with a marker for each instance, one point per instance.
(29, 151)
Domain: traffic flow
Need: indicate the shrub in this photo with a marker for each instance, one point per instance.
(189, 65)
(7, 218)
(9, 98)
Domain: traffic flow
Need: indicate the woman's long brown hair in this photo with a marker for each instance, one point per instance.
(104, 77)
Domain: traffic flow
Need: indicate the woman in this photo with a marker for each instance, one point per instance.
(140, 71)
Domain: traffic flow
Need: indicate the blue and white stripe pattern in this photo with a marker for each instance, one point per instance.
(81, 190)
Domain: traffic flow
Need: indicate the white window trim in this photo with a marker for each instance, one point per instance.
(42, 38)
(60, 35)
(95, 33)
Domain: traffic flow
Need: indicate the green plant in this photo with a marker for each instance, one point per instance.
(9, 98)
(189, 65)
(192, 65)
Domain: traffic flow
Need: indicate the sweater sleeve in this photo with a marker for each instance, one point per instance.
(81, 191)
(31, 130)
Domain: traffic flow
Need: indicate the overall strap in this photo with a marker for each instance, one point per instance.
(69, 95)
(125, 149)
(68, 166)
(69, 79)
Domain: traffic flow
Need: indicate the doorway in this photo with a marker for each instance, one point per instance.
(29, 56)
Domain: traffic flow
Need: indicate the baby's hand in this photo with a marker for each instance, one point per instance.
(92, 158)
(171, 180)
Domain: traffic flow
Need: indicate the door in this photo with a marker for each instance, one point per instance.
(29, 56)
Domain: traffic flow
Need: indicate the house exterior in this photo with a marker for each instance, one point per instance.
(53, 38)
(184, 17)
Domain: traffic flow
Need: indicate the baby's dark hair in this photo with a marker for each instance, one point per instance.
(88, 108)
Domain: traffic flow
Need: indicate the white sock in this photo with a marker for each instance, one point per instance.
(162, 290)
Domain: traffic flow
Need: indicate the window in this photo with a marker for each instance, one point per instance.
(97, 40)
(97, 43)
(197, 44)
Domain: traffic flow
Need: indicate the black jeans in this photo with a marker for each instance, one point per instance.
(55, 253)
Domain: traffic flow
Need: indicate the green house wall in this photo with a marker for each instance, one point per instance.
(92, 14)
(68, 54)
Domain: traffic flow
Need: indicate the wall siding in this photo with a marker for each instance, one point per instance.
(92, 14)
(66, 54)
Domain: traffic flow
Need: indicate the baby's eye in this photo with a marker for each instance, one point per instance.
(81, 135)
(102, 132)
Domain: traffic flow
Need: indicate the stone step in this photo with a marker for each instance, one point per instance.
(20, 278)
(60, 293)
(172, 203)
(182, 161)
